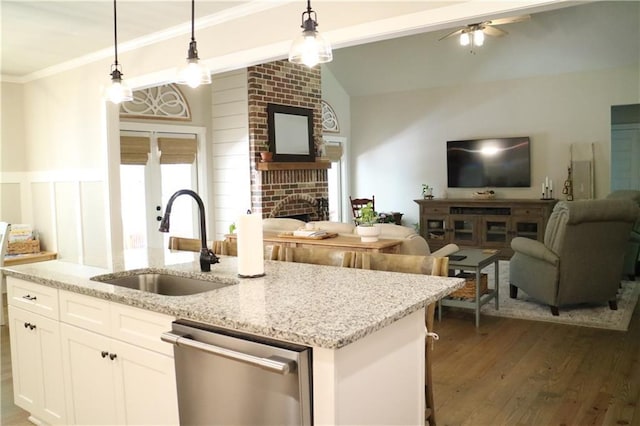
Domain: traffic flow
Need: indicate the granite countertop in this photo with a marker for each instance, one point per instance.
(320, 306)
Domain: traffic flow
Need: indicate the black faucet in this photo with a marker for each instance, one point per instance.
(207, 257)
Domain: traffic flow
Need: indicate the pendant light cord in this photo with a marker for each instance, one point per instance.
(193, 17)
(115, 32)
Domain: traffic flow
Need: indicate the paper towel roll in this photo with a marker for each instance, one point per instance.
(250, 249)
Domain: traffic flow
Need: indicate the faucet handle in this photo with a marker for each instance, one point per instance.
(207, 258)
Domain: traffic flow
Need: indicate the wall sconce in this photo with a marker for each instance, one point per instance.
(310, 48)
(193, 73)
(118, 91)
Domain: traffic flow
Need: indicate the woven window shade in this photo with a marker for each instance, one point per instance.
(333, 152)
(177, 150)
(134, 150)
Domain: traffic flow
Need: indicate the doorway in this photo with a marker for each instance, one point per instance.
(625, 147)
(155, 163)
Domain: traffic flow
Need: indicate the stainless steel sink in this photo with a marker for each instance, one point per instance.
(162, 283)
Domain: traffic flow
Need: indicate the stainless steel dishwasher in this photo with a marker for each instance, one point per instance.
(228, 378)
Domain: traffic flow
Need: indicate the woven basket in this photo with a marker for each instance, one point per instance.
(24, 247)
(469, 289)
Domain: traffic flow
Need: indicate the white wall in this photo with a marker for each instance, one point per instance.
(12, 151)
(398, 140)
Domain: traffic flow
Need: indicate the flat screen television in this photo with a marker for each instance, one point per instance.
(489, 163)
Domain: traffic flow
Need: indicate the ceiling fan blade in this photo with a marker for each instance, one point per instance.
(495, 32)
(511, 20)
(453, 33)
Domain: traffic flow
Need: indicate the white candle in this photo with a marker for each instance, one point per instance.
(543, 189)
(551, 185)
(546, 181)
(250, 249)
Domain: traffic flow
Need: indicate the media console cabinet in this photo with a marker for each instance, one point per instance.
(487, 224)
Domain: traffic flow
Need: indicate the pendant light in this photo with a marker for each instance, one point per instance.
(193, 73)
(118, 91)
(310, 48)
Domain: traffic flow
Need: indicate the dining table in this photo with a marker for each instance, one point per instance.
(332, 241)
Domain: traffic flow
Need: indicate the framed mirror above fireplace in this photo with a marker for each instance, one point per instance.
(290, 133)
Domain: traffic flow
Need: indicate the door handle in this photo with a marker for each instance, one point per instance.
(281, 366)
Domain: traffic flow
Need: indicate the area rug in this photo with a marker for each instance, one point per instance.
(527, 308)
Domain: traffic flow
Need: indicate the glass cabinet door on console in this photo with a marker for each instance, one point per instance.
(463, 230)
(527, 227)
(495, 231)
(436, 234)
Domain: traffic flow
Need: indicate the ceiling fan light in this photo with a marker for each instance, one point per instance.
(478, 37)
(464, 39)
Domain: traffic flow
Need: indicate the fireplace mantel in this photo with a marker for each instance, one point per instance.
(273, 165)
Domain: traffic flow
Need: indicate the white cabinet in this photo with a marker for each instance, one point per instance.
(111, 381)
(36, 354)
(79, 359)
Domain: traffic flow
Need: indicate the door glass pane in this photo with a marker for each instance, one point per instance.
(132, 192)
(496, 231)
(184, 212)
(463, 230)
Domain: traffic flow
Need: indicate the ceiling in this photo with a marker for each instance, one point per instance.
(584, 37)
(38, 35)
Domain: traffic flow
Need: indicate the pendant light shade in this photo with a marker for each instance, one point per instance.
(193, 73)
(310, 48)
(118, 91)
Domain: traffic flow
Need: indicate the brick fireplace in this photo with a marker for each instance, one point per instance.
(285, 193)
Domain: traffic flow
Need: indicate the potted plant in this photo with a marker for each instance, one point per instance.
(366, 221)
(427, 191)
(264, 151)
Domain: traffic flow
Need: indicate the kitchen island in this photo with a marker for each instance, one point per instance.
(366, 328)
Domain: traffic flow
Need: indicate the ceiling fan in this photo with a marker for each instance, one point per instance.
(473, 34)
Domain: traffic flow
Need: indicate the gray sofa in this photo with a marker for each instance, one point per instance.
(412, 243)
(581, 258)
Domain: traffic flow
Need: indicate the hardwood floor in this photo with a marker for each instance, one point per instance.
(507, 372)
(517, 372)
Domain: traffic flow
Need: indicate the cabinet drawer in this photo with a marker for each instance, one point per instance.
(85, 311)
(140, 327)
(437, 210)
(526, 211)
(33, 297)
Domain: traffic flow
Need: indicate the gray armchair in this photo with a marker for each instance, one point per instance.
(632, 255)
(581, 258)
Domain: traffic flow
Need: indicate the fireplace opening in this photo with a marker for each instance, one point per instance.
(305, 217)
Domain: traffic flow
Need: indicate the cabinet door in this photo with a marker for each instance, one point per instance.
(495, 231)
(37, 365)
(463, 230)
(25, 360)
(145, 386)
(435, 231)
(89, 377)
(528, 227)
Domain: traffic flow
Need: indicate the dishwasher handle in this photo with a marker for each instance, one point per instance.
(274, 364)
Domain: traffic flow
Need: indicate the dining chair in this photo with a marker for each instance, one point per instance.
(316, 256)
(358, 203)
(186, 244)
(413, 264)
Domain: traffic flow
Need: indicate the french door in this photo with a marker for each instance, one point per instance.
(153, 166)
